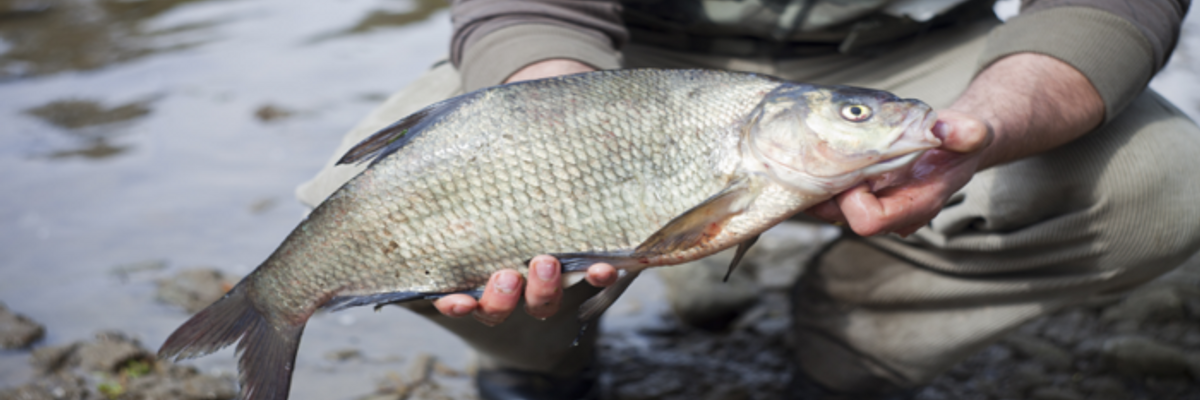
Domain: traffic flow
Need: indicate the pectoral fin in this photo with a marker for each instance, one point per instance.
(703, 222)
(737, 258)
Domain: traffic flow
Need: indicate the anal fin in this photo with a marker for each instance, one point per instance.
(596, 305)
(737, 257)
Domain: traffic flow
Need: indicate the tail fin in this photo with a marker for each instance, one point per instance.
(266, 351)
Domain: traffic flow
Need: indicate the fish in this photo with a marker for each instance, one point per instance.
(635, 168)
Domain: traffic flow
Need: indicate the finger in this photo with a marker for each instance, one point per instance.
(962, 133)
(455, 305)
(500, 297)
(862, 210)
(543, 289)
(601, 275)
(904, 232)
(868, 214)
(827, 211)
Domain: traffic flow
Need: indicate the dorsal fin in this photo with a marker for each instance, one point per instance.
(400, 133)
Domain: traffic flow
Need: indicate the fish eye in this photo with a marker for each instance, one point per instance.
(856, 112)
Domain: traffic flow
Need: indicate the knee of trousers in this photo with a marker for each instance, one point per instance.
(1145, 217)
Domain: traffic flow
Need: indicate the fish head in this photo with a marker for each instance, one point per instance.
(825, 139)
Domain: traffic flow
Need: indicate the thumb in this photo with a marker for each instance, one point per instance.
(961, 132)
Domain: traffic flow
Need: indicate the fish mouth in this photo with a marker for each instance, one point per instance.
(910, 145)
(892, 163)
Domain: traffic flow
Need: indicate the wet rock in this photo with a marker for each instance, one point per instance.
(1156, 304)
(658, 385)
(271, 113)
(124, 271)
(109, 352)
(114, 366)
(183, 383)
(445, 370)
(344, 355)
(52, 359)
(1041, 350)
(81, 113)
(51, 387)
(193, 289)
(1026, 376)
(728, 392)
(18, 331)
(1168, 387)
(1138, 356)
(1066, 329)
(1054, 393)
(1105, 388)
(261, 206)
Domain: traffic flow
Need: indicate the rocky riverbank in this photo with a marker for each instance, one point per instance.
(1141, 345)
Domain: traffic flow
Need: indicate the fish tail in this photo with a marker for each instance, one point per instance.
(266, 350)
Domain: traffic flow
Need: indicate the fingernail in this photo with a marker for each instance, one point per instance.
(545, 270)
(460, 310)
(507, 282)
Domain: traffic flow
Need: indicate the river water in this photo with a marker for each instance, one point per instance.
(174, 132)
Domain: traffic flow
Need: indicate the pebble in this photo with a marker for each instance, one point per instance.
(1138, 356)
(1150, 305)
(1026, 376)
(657, 385)
(1054, 393)
(18, 331)
(1041, 350)
(1105, 388)
(1067, 329)
(193, 289)
(109, 352)
(344, 355)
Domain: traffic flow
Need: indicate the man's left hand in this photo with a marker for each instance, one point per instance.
(914, 199)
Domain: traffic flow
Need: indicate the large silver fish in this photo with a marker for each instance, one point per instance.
(637, 168)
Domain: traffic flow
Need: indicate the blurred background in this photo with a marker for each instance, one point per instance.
(149, 148)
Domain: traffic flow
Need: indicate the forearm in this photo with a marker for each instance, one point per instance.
(495, 38)
(549, 68)
(1033, 103)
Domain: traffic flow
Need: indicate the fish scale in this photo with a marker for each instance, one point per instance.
(635, 168)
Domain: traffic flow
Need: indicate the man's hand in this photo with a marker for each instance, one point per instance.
(543, 292)
(914, 199)
(1021, 105)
